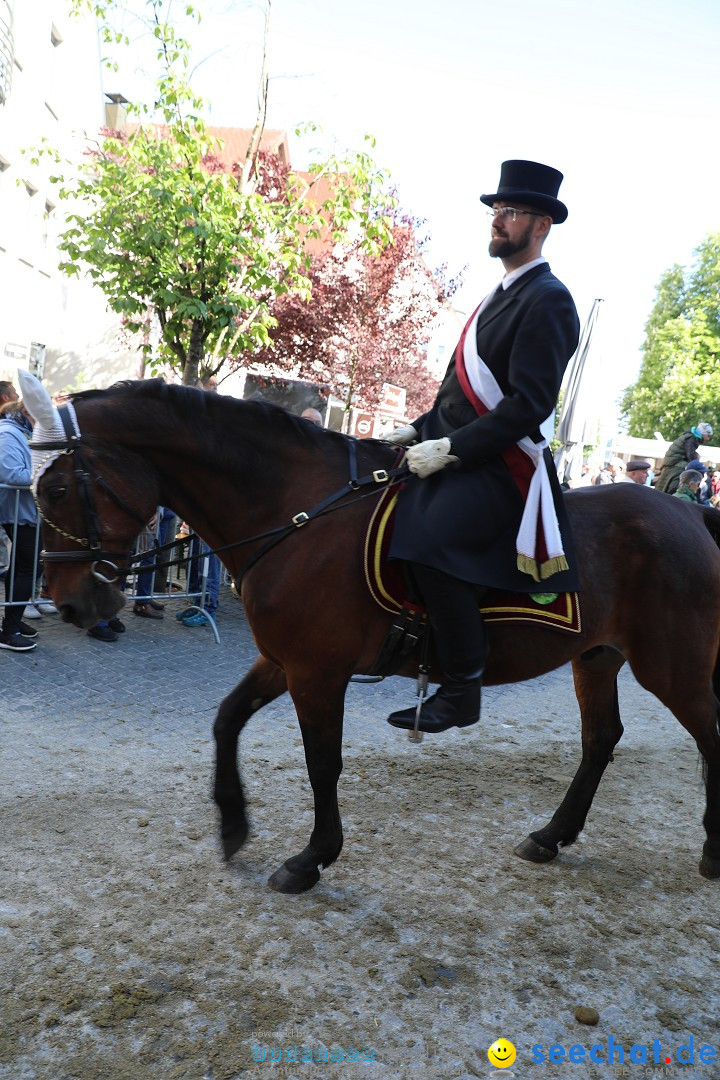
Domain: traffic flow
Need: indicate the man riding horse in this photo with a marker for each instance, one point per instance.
(484, 507)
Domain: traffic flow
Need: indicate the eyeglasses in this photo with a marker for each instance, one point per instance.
(511, 212)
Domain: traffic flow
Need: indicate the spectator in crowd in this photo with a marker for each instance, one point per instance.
(150, 608)
(18, 518)
(703, 493)
(688, 484)
(313, 416)
(679, 454)
(715, 486)
(588, 473)
(107, 630)
(637, 471)
(8, 393)
(611, 472)
(194, 617)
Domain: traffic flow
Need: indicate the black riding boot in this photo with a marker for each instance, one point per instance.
(461, 647)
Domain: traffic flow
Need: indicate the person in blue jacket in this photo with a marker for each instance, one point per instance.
(18, 516)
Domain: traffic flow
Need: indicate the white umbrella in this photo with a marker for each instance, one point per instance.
(577, 425)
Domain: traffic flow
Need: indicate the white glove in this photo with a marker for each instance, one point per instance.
(403, 436)
(429, 457)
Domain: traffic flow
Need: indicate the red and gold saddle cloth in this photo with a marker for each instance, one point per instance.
(386, 582)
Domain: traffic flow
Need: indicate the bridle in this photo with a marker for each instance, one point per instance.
(85, 475)
(91, 547)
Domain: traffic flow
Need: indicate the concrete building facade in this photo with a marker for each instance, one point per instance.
(50, 93)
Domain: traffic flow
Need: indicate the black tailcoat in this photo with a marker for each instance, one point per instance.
(464, 519)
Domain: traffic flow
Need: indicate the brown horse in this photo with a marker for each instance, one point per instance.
(240, 469)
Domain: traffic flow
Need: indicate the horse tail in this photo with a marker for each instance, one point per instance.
(711, 518)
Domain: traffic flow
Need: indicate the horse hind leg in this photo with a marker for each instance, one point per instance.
(596, 688)
(263, 683)
(320, 706)
(699, 714)
(696, 704)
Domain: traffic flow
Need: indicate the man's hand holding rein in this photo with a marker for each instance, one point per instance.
(428, 457)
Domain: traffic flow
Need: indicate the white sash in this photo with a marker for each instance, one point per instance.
(540, 498)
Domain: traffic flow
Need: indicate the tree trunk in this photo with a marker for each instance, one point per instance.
(196, 351)
(248, 176)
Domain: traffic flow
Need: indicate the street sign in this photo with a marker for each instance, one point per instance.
(393, 399)
(362, 425)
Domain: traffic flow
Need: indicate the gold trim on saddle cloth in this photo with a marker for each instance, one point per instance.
(386, 583)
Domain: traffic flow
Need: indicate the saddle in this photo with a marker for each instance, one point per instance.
(390, 589)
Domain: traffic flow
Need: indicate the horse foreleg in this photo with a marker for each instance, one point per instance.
(320, 709)
(596, 689)
(263, 683)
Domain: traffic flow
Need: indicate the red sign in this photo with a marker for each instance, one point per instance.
(362, 425)
(393, 399)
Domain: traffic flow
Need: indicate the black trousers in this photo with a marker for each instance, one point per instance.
(18, 584)
(454, 613)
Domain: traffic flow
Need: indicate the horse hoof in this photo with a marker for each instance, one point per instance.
(232, 843)
(709, 868)
(531, 851)
(287, 881)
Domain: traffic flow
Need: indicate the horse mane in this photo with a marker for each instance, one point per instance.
(193, 408)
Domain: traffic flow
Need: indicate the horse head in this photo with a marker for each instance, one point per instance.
(93, 500)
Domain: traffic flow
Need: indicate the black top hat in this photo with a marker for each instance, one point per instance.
(532, 184)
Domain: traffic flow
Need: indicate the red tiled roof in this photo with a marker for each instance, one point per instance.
(236, 141)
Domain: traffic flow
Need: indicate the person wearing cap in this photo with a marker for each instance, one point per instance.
(637, 470)
(482, 505)
(679, 454)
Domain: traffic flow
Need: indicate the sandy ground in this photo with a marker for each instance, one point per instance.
(128, 950)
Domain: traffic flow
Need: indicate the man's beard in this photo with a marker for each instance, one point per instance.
(501, 247)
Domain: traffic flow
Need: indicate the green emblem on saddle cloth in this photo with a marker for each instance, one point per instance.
(544, 598)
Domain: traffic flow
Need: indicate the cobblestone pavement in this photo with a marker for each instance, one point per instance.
(161, 674)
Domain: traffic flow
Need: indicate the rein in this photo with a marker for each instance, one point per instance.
(380, 479)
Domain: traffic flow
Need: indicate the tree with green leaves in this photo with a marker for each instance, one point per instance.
(679, 381)
(166, 232)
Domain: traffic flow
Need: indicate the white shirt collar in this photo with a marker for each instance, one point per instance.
(515, 274)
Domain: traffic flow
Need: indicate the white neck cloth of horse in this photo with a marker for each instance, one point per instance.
(481, 387)
(47, 426)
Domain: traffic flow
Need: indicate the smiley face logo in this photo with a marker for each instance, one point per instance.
(501, 1054)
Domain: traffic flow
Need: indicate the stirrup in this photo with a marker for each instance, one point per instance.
(416, 735)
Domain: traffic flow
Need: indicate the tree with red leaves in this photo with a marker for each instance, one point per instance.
(367, 321)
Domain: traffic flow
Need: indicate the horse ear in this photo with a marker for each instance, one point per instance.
(36, 400)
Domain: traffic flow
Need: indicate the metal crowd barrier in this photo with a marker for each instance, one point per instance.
(164, 583)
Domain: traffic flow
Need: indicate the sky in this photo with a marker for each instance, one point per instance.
(622, 96)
